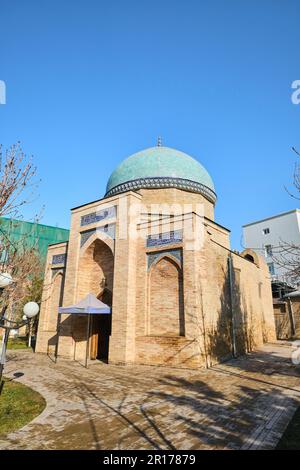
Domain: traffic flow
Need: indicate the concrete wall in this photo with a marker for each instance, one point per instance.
(283, 228)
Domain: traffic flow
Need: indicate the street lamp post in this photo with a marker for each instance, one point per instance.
(30, 310)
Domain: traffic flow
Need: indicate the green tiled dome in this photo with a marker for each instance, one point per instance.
(160, 167)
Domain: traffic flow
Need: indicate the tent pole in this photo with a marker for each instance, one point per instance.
(87, 341)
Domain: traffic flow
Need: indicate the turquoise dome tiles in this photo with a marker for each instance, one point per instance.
(160, 167)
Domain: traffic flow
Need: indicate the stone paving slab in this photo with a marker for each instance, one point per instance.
(244, 403)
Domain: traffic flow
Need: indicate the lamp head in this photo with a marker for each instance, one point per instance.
(5, 280)
(31, 309)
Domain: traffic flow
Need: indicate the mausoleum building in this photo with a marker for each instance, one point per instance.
(151, 251)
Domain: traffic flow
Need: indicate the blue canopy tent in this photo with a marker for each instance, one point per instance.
(90, 305)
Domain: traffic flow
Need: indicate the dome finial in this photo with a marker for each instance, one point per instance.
(159, 141)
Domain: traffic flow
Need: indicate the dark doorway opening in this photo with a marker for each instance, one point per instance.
(101, 331)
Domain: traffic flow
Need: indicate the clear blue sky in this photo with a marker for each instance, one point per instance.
(91, 82)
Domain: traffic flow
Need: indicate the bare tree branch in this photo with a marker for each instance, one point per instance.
(18, 185)
(287, 254)
(17, 181)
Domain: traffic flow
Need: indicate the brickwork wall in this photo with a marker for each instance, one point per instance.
(71, 327)
(95, 270)
(122, 342)
(166, 298)
(55, 301)
(153, 307)
(51, 300)
(246, 317)
(176, 196)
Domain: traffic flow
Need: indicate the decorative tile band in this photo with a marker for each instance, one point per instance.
(94, 217)
(59, 259)
(86, 235)
(152, 257)
(164, 182)
(174, 236)
(109, 230)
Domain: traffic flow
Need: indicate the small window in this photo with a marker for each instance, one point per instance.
(249, 258)
(268, 250)
(266, 231)
(271, 268)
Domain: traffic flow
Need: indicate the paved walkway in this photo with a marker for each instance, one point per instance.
(244, 403)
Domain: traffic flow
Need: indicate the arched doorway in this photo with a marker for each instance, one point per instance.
(96, 276)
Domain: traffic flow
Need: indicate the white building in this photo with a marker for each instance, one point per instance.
(267, 235)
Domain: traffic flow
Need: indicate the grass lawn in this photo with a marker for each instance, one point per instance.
(18, 406)
(16, 343)
(290, 440)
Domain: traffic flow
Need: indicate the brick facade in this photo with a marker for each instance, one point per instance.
(183, 301)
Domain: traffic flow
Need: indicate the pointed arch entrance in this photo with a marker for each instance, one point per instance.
(95, 275)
